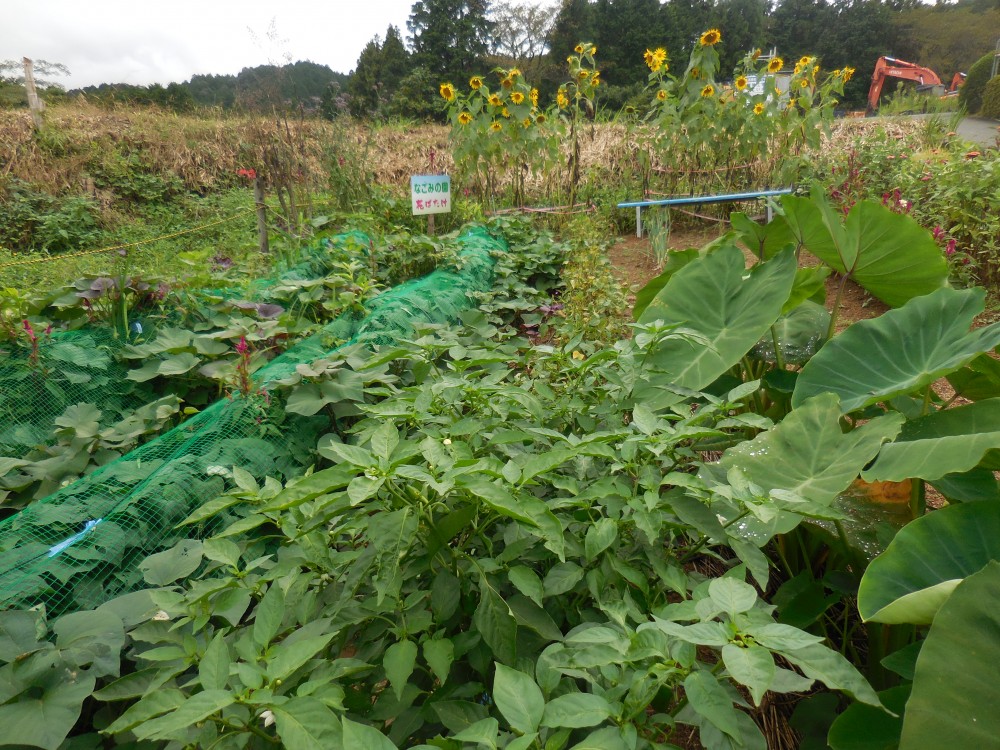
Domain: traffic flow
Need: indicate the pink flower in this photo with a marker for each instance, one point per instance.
(938, 232)
(242, 347)
(950, 250)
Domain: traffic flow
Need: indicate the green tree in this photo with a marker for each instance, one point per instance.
(450, 37)
(625, 29)
(744, 27)
(364, 86)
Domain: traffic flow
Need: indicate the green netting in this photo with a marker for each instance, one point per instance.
(86, 367)
(81, 545)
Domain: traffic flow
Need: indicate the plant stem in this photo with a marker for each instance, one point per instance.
(778, 359)
(836, 308)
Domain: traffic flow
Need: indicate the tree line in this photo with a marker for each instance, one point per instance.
(398, 75)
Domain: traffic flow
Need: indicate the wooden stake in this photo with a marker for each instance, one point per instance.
(35, 104)
(258, 198)
(430, 224)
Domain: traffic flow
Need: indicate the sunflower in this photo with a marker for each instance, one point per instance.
(476, 83)
(495, 100)
(775, 65)
(534, 97)
(661, 95)
(513, 73)
(447, 91)
(708, 91)
(805, 60)
(791, 104)
(804, 84)
(578, 49)
(517, 97)
(848, 74)
(596, 80)
(496, 127)
(465, 118)
(583, 75)
(815, 70)
(758, 108)
(756, 54)
(505, 112)
(741, 83)
(593, 51)
(561, 99)
(695, 73)
(526, 122)
(710, 38)
(540, 119)
(655, 59)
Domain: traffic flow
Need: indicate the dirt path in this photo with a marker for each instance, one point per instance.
(635, 266)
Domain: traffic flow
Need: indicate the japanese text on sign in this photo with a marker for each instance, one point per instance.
(430, 194)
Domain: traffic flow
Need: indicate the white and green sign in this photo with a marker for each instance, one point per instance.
(430, 194)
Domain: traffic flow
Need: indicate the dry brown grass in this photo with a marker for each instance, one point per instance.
(205, 150)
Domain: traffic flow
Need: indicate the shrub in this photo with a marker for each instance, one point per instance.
(970, 95)
(991, 99)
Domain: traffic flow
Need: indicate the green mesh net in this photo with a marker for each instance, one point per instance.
(81, 545)
(85, 367)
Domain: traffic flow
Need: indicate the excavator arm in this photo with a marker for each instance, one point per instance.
(890, 67)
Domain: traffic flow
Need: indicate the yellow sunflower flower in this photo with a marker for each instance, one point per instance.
(848, 74)
(507, 83)
(447, 91)
(513, 73)
(775, 65)
(495, 100)
(758, 109)
(710, 38)
(526, 122)
(596, 80)
(465, 118)
(741, 83)
(805, 60)
(476, 83)
(583, 75)
(578, 49)
(517, 97)
(561, 100)
(496, 127)
(534, 97)
(540, 119)
(708, 91)
(505, 112)
(791, 104)
(803, 84)
(661, 95)
(815, 70)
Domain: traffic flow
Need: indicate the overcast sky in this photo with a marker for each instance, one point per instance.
(142, 42)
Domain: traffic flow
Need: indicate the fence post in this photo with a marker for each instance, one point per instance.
(258, 199)
(35, 104)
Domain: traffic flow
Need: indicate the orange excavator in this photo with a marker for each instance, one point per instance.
(890, 67)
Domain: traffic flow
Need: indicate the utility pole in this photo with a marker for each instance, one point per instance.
(35, 104)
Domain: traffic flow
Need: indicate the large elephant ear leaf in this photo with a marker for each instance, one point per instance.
(726, 305)
(926, 560)
(955, 690)
(808, 453)
(889, 254)
(951, 441)
(899, 352)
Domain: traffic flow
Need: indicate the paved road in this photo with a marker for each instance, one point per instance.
(976, 129)
(980, 130)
